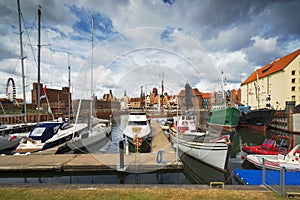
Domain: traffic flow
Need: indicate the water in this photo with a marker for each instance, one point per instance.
(194, 172)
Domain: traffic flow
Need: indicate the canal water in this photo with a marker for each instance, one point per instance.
(194, 172)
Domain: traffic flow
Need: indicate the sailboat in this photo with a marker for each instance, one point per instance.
(97, 136)
(11, 135)
(48, 134)
(223, 118)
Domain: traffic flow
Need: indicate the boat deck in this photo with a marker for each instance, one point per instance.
(162, 157)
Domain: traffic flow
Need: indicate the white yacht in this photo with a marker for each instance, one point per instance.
(138, 130)
(49, 134)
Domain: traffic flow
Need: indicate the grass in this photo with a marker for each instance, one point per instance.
(136, 193)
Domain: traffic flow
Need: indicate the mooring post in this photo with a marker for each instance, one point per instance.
(126, 146)
(121, 150)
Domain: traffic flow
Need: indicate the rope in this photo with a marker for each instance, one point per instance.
(159, 156)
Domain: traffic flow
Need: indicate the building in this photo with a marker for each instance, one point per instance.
(190, 98)
(206, 100)
(58, 99)
(273, 84)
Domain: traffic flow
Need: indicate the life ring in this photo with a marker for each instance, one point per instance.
(138, 141)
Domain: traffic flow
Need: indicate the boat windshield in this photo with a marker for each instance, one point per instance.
(284, 143)
(137, 123)
(38, 131)
(268, 144)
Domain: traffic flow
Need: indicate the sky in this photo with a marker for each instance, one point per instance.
(141, 43)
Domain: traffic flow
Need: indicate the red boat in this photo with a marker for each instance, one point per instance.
(271, 146)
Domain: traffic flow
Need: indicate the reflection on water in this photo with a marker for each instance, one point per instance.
(194, 172)
(200, 173)
(155, 178)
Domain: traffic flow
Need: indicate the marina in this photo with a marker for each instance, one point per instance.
(106, 163)
(105, 166)
(147, 104)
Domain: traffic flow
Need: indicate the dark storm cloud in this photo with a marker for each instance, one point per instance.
(281, 18)
(264, 18)
(241, 32)
(215, 16)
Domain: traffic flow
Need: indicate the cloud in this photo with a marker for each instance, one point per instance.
(237, 35)
(262, 51)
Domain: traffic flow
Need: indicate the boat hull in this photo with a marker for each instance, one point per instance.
(225, 119)
(7, 145)
(199, 172)
(28, 145)
(90, 141)
(88, 144)
(257, 119)
(290, 161)
(214, 154)
(145, 147)
(12, 135)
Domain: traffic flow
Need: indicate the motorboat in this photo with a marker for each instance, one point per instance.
(11, 135)
(165, 124)
(138, 130)
(49, 134)
(271, 146)
(207, 147)
(289, 161)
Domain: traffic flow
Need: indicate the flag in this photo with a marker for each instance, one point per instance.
(44, 96)
(45, 89)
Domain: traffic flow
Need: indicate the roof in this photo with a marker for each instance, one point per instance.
(195, 92)
(206, 95)
(272, 67)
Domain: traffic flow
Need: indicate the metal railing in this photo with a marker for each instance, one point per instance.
(270, 180)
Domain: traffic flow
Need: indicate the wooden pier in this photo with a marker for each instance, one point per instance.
(162, 158)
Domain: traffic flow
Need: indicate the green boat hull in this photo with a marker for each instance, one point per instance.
(227, 117)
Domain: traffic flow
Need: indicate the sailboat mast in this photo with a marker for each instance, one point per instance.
(223, 88)
(39, 62)
(69, 97)
(257, 89)
(22, 63)
(92, 46)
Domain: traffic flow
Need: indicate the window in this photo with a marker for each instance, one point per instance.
(293, 88)
(293, 72)
(293, 80)
(293, 98)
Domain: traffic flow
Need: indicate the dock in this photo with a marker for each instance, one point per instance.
(162, 158)
(254, 177)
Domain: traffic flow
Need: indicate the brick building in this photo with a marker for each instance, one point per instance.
(58, 99)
